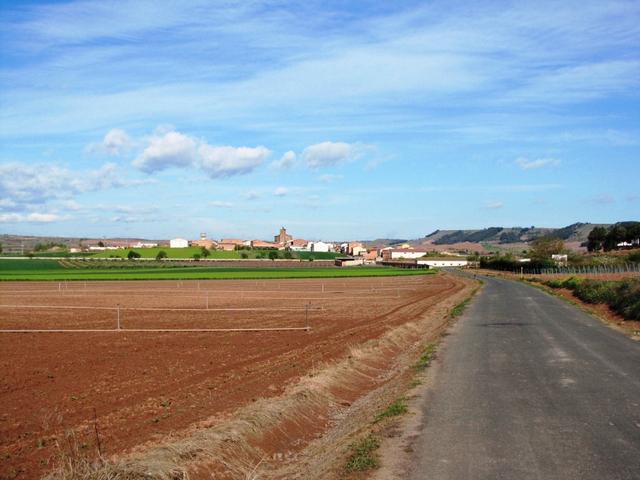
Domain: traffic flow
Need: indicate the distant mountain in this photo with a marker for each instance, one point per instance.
(575, 233)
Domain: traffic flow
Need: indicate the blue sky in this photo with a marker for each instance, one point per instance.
(338, 120)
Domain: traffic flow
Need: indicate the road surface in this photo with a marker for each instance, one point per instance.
(529, 387)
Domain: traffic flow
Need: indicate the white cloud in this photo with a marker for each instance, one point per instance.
(116, 142)
(327, 154)
(286, 161)
(529, 164)
(221, 204)
(281, 191)
(30, 217)
(165, 150)
(329, 178)
(251, 195)
(36, 184)
(174, 149)
(494, 205)
(228, 161)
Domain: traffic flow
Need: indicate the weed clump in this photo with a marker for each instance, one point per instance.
(363, 455)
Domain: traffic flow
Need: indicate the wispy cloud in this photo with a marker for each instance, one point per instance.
(494, 205)
(533, 163)
(281, 191)
(29, 217)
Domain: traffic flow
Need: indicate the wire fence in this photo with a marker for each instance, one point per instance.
(583, 270)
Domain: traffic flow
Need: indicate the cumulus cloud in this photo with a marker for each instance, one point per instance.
(166, 149)
(30, 217)
(281, 191)
(228, 161)
(286, 161)
(23, 185)
(327, 154)
(529, 164)
(116, 142)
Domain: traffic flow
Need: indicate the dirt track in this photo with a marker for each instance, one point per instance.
(145, 386)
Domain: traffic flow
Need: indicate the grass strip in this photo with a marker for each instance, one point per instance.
(363, 456)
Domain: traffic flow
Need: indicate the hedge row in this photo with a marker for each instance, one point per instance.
(622, 297)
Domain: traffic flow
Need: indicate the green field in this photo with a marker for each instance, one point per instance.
(35, 269)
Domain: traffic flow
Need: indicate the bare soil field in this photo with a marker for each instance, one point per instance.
(62, 392)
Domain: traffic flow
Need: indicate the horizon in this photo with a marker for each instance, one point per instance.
(362, 121)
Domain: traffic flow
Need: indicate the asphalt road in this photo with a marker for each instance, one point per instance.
(529, 387)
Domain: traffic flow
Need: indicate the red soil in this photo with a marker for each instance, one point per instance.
(145, 386)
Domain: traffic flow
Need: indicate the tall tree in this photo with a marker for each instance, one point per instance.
(543, 247)
(596, 239)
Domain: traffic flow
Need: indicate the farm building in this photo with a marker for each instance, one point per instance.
(178, 243)
(348, 262)
(444, 262)
(298, 245)
(263, 244)
(320, 247)
(397, 253)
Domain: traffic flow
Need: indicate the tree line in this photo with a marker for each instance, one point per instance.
(601, 238)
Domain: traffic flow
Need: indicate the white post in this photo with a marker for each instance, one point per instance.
(118, 316)
(306, 316)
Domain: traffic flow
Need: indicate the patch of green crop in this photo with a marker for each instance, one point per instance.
(399, 407)
(363, 456)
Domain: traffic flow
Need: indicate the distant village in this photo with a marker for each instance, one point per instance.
(347, 253)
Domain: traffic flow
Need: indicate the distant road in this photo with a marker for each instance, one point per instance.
(529, 387)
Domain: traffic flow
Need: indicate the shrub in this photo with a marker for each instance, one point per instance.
(132, 255)
(244, 255)
(161, 254)
(623, 297)
(273, 254)
(197, 257)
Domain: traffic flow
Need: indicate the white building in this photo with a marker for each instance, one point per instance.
(444, 262)
(358, 251)
(178, 243)
(401, 253)
(320, 247)
(144, 245)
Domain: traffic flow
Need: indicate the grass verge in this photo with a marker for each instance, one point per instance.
(363, 456)
(399, 407)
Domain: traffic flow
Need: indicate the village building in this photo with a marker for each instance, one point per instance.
(283, 237)
(443, 262)
(263, 244)
(401, 253)
(298, 245)
(320, 247)
(178, 243)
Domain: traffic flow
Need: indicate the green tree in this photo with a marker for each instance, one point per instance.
(543, 247)
(244, 255)
(596, 238)
(0, 248)
(161, 254)
(273, 254)
(288, 255)
(132, 255)
(616, 234)
(197, 257)
(204, 251)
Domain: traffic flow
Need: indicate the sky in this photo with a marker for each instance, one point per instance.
(339, 120)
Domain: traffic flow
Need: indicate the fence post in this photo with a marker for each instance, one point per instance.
(118, 316)
(306, 316)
